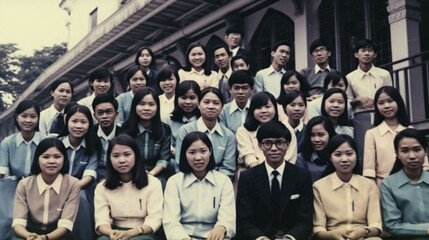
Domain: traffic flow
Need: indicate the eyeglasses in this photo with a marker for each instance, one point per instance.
(320, 50)
(268, 144)
(108, 112)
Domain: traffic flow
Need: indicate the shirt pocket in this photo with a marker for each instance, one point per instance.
(83, 162)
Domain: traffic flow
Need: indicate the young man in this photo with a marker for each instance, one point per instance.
(241, 87)
(314, 76)
(105, 112)
(269, 79)
(363, 83)
(233, 37)
(222, 58)
(240, 62)
(274, 198)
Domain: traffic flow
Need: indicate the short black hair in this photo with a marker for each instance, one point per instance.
(60, 81)
(166, 72)
(234, 29)
(213, 90)
(365, 43)
(401, 113)
(101, 73)
(139, 53)
(181, 90)
(241, 77)
(280, 43)
(285, 79)
(186, 143)
(343, 119)
(24, 105)
(224, 47)
(290, 97)
(239, 56)
(258, 100)
(105, 98)
(273, 129)
(42, 147)
(334, 77)
(318, 43)
(132, 70)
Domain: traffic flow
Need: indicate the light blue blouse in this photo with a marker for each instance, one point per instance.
(232, 116)
(175, 126)
(81, 165)
(124, 106)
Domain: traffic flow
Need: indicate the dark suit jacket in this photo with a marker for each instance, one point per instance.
(255, 212)
(153, 81)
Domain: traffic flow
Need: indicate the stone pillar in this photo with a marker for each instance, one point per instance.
(404, 18)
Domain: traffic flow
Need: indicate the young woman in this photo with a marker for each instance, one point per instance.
(197, 67)
(346, 205)
(199, 201)
(167, 80)
(79, 142)
(136, 79)
(46, 202)
(128, 203)
(52, 118)
(294, 105)
(313, 156)
(390, 117)
(334, 107)
(152, 136)
(224, 144)
(291, 81)
(145, 58)
(404, 193)
(16, 156)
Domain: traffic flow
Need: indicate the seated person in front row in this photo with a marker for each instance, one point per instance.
(404, 194)
(274, 199)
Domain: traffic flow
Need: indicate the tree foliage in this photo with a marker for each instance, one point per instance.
(18, 72)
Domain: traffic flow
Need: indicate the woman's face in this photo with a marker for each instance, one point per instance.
(137, 82)
(198, 156)
(62, 94)
(169, 85)
(387, 107)
(145, 58)
(197, 57)
(265, 113)
(344, 158)
(28, 119)
(292, 85)
(341, 85)
(411, 153)
(210, 106)
(319, 137)
(78, 125)
(122, 158)
(296, 109)
(101, 86)
(335, 105)
(188, 102)
(51, 161)
(146, 108)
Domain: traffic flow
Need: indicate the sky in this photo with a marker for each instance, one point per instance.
(32, 24)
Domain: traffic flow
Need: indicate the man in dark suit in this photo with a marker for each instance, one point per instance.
(233, 36)
(275, 198)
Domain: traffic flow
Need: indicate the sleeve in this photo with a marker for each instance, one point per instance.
(182, 76)
(226, 213)
(154, 205)
(164, 151)
(349, 90)
(313, 109)
(293, 147)
(374, 211)
(91, 168)
(4, 157)
(228, 164)
(246, 153)
(392, 214)
(259, 82)
(121, 116)
(180, 136)
(101, 207)
(214, 80)
(172, 212)
(68, 215)
(20, 206)
(42, 124)
(300, 161)
(222, 117)
(369, 156)
(319, 218)
(388, 80)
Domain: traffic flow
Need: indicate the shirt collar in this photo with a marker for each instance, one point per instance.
(42, 186)
(227, 74)
(143, 129)
(67, 143)
(235, 50)
(272, 70)
(362, 73)
(317, 69)
(314, 156)
(203, 128)
(101, 133)
(384, 128)
(234, 106)
(337, 182)
(164, 99)
(280, 169)
(196, 72)
(185, 120)
(53, 110)
(190, 178)
(299, 127)
(403, 178)
(19, 139)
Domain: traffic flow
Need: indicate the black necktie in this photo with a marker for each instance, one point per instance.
(275, 197)
(57, 124)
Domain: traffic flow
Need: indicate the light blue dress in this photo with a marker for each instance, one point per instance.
(124, 106)
(16, 157)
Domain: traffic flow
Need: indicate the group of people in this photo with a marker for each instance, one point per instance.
(199, 154)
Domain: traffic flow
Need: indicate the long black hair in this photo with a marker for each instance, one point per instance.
(343, 119)
(139, 53)
(401, 113)
(181, 90)
(260, 99)
(290, 97)
(139, 175)
(24, 105)
(206, 65)
(285, 78)
(187, 142)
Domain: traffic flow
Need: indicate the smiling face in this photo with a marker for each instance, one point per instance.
(198, 156)
(101, 86)
(265, 113)
(387, 107)
(222, 59)
(411, 153)
(344, 159)
(366, 55)
(210, 106)
(274, 155)
(145, 58)
(239, 64)
(146, 108)
(197, 57)
(123, 159)
(281, 56)
(51, 162)
(295, 110)
(319, 137)
(292, 84)
(62, 95)
(341, 85)
(137, 82)
(78, 125)
(27, 120)
(188, 102)
(335, 105)
(240, 92)
(169, 84)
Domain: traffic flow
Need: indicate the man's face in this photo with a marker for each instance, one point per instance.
(274, 150)
(222, 59)
(241, 92)
(366, 55)
(281, 56)
(105, 114)
(233, 40)
(321, 55)
(239, 64)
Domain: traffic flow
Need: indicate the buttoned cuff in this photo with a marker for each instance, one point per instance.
(65, 223)
(376, 225)
(369, 173)
(319, 229)
(4, 170)
(162, 163)
(91, 173)
(19, 221)
(289, 236)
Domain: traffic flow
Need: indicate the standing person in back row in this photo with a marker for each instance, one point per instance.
(363, 83)
(268, 79)
(222, 58)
